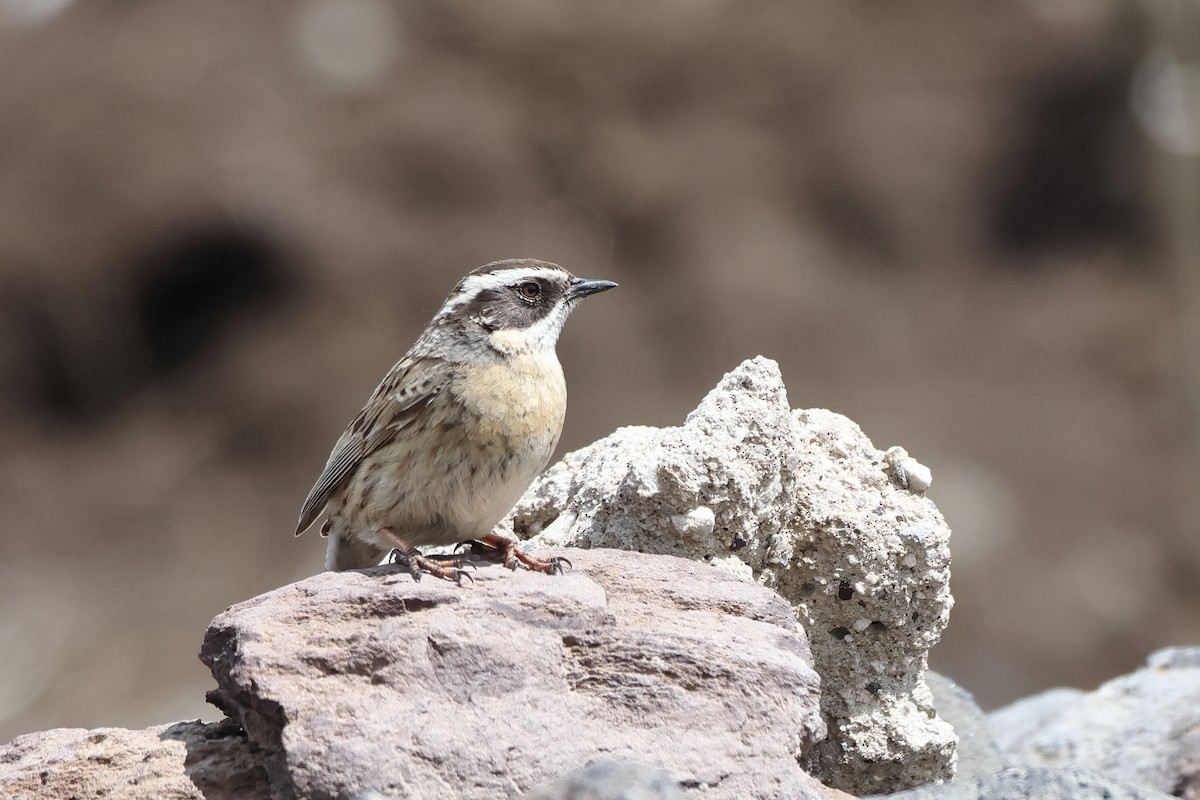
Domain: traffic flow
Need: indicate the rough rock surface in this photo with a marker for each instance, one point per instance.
(366, 681)
(184, 761)
(1142, 728)
(803, 502)
(1022, 783)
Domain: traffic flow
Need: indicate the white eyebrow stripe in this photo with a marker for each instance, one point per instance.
(472, 285)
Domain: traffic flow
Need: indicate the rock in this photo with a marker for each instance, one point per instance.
(978, 753)
(907, 471)
(365, 681)
(1024, 718)
(188, 760)
(621, 780)
(611, 780)
(1143, 728)
(1022, 783)
(803, 502)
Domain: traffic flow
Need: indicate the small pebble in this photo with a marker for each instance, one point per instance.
(906, 471)
(699, 522)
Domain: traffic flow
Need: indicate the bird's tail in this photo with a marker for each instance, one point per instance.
(347, 551)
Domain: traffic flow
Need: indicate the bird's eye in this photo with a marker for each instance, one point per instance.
(530, 290)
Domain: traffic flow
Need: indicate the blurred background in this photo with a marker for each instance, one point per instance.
(972, 228)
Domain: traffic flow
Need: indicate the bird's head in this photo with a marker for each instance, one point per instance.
(520, 305)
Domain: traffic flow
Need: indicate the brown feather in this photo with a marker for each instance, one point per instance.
(399, 399)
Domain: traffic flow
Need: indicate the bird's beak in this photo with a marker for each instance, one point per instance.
(581, 287)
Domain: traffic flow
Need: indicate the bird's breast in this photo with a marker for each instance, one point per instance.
(518, 403)
(456, 470)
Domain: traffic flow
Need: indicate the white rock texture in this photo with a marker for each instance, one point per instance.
(803, 502)
(358, 682)
(1143, 728)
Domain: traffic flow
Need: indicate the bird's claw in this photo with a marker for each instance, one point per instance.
(475, 547)
(417, 565)
(550, 566)
(397, 556)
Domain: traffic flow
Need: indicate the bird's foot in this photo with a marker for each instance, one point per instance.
(447, 569)
(509, 553)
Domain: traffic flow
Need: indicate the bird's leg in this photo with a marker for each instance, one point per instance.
(479, 548)
(417, 563)
(508, 551)
(457, 562)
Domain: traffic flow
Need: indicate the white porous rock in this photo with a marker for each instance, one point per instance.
(802, 501)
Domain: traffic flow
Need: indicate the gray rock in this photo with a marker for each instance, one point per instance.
(978, 752)
(805, 504)
(1143, 728)
(1022, 783)
(611, 780)
(621, 780)
(366, 681)
(1174, 658)
(184, 761)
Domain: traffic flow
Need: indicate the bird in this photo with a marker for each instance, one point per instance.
(457, 430)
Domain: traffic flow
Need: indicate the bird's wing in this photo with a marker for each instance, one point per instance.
(404, 393)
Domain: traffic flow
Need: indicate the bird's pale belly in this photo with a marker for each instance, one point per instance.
(457, 475)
